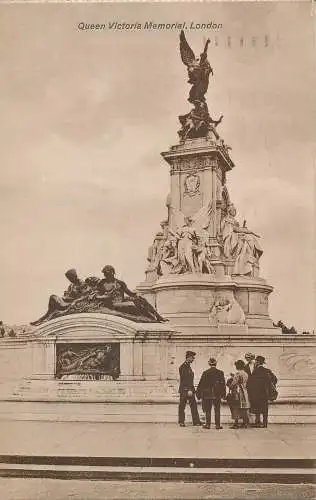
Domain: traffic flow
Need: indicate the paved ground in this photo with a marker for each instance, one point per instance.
(155, 440)
(47, 489)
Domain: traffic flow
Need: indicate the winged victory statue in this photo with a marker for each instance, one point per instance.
(198, 122)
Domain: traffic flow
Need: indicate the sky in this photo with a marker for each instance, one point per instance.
(86, 114)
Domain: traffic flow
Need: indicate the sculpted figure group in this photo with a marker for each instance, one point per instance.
(108, 295)
(240, 244)
(186, 247)
(226, 311)
(88, 363)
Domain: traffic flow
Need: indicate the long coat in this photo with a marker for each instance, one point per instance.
(259, 384)
(239, 388)
(186, 378)
(212, 385)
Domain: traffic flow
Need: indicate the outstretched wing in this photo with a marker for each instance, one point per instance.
(177, 219)
(187, 54)
(202, 218)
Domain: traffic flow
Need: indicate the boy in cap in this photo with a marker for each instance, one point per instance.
(187, 390)
(211, 390)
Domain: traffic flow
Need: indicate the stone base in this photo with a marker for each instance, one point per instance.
(187, 301)
(149, 359)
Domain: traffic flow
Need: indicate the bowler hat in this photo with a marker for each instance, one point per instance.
(212, 361)
(190, 353)
(260, 359)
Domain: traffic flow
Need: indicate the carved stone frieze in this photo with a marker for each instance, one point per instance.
(88, 361)
(226, 310)
(197, 163)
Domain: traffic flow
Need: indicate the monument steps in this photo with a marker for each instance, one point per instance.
(158, 469)
(137, 411)
(129, 401)
(35, 389)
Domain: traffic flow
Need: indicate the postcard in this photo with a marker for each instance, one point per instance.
(157, 324)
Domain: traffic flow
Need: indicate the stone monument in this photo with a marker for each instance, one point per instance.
(103, 343)
(203, 271)
(203, 267)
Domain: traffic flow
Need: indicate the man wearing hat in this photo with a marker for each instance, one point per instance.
(211, 389)
(187, 390)
(259, 385)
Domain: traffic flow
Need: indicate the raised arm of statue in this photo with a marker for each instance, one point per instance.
(203, 57)
(204, 53)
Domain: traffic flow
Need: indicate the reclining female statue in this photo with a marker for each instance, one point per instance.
(112, 292)
(108, 295)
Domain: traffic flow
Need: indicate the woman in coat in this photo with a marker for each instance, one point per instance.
(238, 386)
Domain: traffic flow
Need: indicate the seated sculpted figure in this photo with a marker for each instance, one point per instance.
(168, 263)
(56, 304)
(113, 292)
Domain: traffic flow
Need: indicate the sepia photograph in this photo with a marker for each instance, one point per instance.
(157, 300)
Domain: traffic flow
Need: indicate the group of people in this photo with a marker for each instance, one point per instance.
(250, 389)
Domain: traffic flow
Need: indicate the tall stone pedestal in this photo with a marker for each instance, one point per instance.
(187, 301)
(203, 267)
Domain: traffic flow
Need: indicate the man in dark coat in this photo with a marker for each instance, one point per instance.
(260, 384)
(187, 390)
(211, 389)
